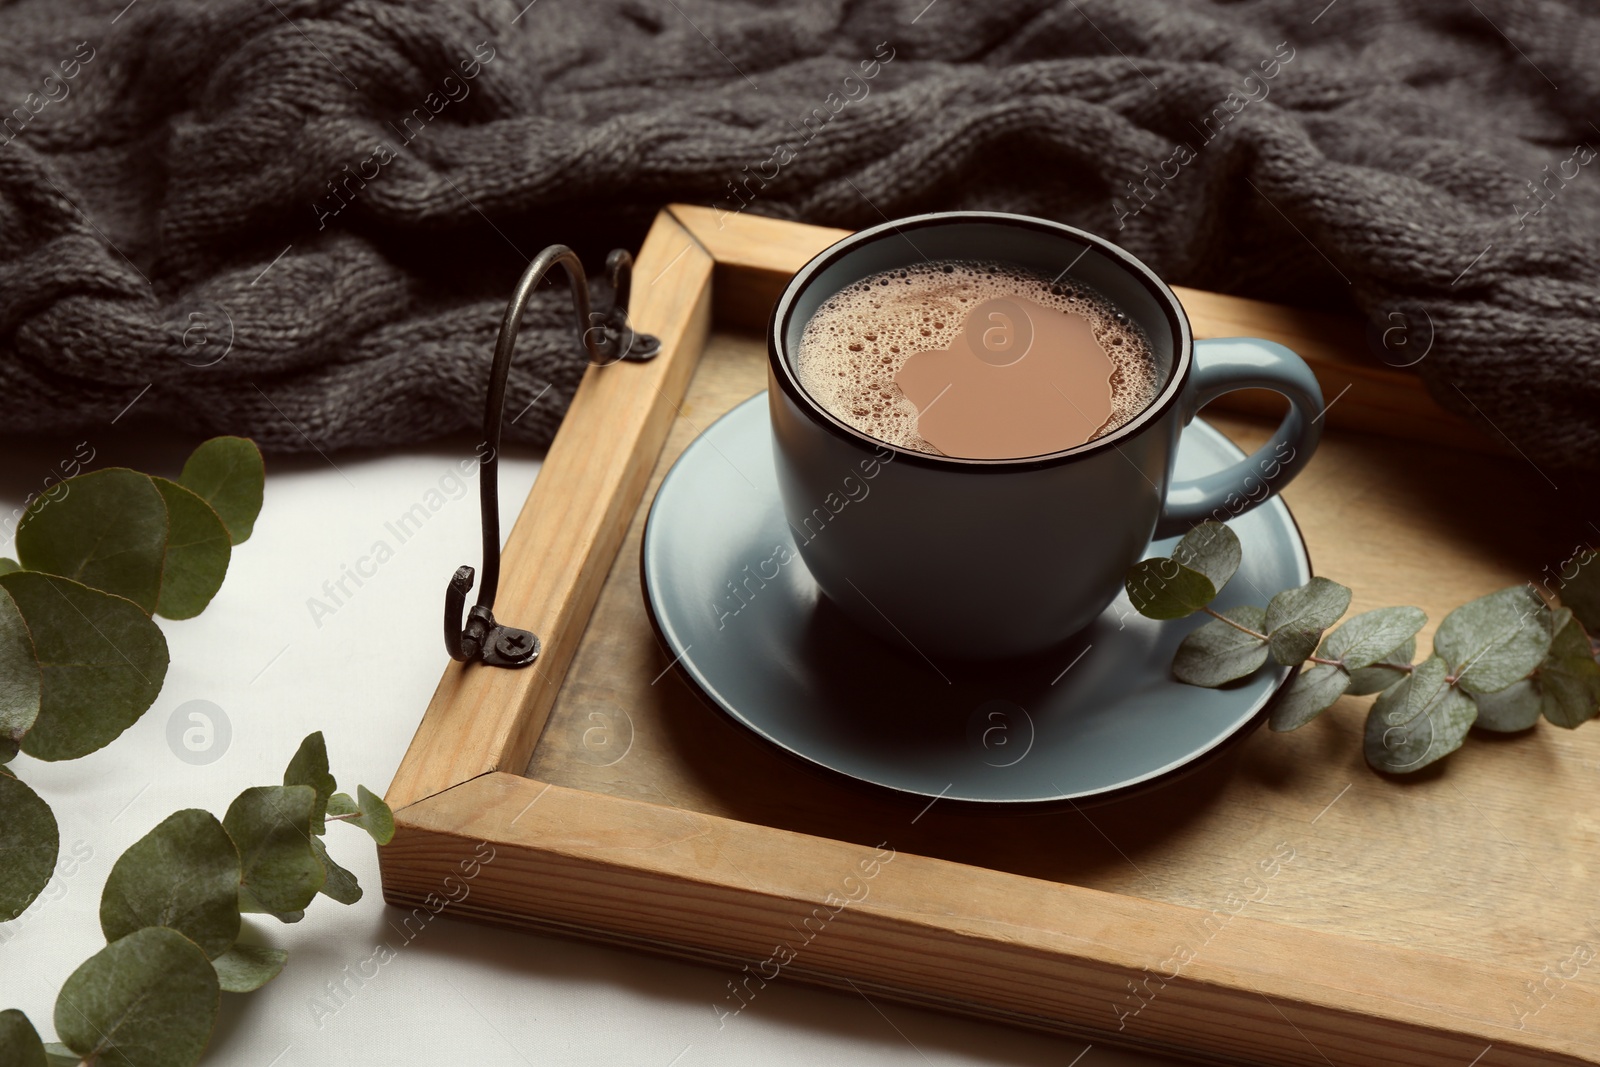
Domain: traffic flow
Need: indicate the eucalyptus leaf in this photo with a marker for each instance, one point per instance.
(102, 663)
(1161, 588)
(1213, 550)
(1313, 691)
(20, 678)
(282, 916)
(375, 817)
(1394, 667)
(29, 841)
(20, 1045)
(1374, 636)
(227, 473)
(1219, 653)
(1296, 618)
(58, 1055)
(1512, 709)
(108, 532)
(1569, 677)
(341, 885)
(1419, 721)
(246, 968)
(148, 1000)
(9, 565)
(371, 813)
(310, 767)
(197, 553)
(271, 825)
(184, 874)
(1496, 640)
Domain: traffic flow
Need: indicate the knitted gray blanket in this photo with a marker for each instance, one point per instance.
(300, 219)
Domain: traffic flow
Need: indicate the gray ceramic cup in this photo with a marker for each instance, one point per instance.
(992, 558)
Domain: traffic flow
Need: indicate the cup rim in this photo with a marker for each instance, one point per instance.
(783, 371)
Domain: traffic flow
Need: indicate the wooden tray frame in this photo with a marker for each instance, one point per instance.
(552, 858)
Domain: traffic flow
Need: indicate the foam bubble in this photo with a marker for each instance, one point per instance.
(856, 342)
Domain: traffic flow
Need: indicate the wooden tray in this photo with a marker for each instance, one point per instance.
(1286, 907)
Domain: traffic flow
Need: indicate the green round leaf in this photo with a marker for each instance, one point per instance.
(9, 565)
(246, 968)
(1213, 550)
(1375, 636)
(310, 767)
(1419, 721)
(1494, 640)
(1161, 588)
(184, 874)
(58, 1055)
(375, 818)
(19, 1041)
(271, 825)
(1296, 618)
(227, 473)
(341, 884)
(101, 659)
(1569, 677)
(1218, 653)
(109, 532)
(197, 553)
(20, 678)
(29, 841)
(1394, 667)
(148, 1000)
(371, 814)
(1313, 691)
(1514, 708)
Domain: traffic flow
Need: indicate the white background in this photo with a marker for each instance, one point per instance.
(457, 993)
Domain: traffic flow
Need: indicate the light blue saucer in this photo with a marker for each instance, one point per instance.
(1101, 715)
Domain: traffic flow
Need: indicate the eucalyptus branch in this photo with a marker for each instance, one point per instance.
(1500, 662)
(172, 914)
(136, 546)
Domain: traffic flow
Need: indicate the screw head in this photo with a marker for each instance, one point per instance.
(513, 643)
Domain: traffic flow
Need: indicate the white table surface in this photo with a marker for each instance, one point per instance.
(458, 993)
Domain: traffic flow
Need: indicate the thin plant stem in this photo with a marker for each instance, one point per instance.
(1403, 667)
(1237, 626)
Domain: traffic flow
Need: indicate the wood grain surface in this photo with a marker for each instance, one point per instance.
(1286, 906)
(1488, 859)
(564, 540)
(759, 903)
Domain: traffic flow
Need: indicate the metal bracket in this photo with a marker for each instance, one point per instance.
(607, 338)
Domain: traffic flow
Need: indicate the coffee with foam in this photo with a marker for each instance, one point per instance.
(976, 360)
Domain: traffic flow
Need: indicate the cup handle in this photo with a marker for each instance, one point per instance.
(1221, 366)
